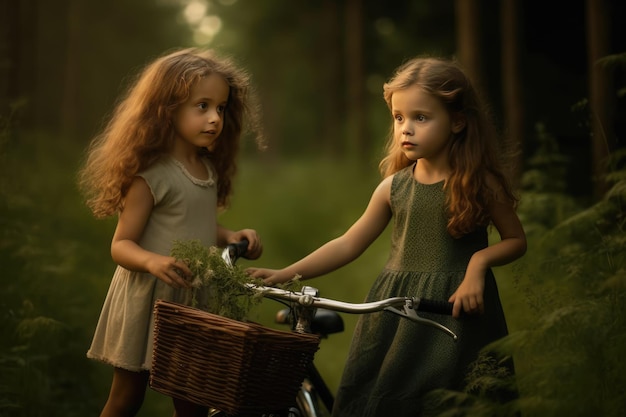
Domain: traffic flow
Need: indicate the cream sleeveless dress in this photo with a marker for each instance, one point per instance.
(185, 208)
(393, 362)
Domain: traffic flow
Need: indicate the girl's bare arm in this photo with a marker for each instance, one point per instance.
(125, 249)
(469, 296)
(342, 250)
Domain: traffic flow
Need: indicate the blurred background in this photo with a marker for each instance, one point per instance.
(553, 72)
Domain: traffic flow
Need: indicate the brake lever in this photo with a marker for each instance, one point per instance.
(409, 313)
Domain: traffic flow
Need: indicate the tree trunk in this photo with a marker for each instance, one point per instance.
(469, 45)
(17, 72)
(513, 97)
(357, 143)
(69, 101)
(329, 63)
(599, 87)
(10, 52)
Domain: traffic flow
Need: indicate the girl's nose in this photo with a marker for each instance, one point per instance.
(407, 132)
(213, 117)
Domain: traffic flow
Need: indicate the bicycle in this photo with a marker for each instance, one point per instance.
(309, 313)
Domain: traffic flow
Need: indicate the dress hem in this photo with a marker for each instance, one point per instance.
(117, 364)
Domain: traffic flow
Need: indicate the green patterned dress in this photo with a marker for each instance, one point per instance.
(393, 361)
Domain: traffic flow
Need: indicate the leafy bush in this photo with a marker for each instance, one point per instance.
(42, 302)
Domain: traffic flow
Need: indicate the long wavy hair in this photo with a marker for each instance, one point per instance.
(475, 152)
(141, 129)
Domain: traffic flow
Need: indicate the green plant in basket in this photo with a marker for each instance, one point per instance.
(217, 287)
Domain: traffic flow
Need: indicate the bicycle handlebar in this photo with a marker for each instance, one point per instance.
(406, 307)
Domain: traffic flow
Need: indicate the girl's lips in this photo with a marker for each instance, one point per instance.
(408, 144)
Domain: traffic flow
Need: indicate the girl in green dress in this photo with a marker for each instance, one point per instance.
(443, 185)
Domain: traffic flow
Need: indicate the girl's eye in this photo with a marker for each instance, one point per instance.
(203, 106)
(420, 118)
(221, 108)
(398, 118)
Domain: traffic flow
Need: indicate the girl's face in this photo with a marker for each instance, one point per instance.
(199, 120)
(422, 126)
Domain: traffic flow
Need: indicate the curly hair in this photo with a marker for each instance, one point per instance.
(141, 130)
(474, 155)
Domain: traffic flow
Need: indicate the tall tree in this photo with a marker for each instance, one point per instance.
(355, 78)
(599, 89)
(9, 52)
(468, 39)
(69, 100)
(18, 48)
(328, 55)
(513, 98)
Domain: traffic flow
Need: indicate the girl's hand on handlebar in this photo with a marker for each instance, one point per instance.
(255, 248)
(469, 296)
(166, 268)
(269, 276)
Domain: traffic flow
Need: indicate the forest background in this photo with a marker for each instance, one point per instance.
(554, 72)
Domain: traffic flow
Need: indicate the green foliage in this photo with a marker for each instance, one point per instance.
(490, 392)
(217, 287)
(26, 361)
(615, 62)
(545, 202)
(570, 353)
(617, 165)
(41, 304)
(220, 288)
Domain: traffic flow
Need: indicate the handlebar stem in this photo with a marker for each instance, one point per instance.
(305, 310)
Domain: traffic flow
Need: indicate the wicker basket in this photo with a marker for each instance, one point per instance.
(239, 368)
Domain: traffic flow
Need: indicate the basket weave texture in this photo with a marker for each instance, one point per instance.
(237, 367)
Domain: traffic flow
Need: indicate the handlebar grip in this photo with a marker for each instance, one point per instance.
(434, 306)
(239, 249)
